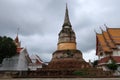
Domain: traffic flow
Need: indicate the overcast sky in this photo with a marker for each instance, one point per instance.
(40, 21)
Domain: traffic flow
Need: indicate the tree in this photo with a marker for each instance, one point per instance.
(95, 63)
(112, 66)
(7, 48)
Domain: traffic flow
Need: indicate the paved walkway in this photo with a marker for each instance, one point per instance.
(64, 79)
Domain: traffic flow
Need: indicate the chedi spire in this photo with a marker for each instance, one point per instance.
(67, 56)
(67, 38)
(66, 19)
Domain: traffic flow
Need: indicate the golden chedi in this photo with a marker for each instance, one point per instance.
(67, 56)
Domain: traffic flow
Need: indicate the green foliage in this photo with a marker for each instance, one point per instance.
(7, 48)
(95, 63)
(82, 72)
(112, 66)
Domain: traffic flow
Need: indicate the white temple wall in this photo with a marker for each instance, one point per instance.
(22, 61)
(15, 63)
(34, 67)
(9, 63)
(116, 53)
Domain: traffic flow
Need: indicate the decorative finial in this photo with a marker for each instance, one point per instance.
(17, 39)
(17, 31)
(106, 26)
(101, 29)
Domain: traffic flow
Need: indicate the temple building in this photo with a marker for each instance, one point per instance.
(36, 63)
(67, 56)
(21, 61)
(108, 47)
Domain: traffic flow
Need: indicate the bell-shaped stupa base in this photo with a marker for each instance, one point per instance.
(67, 59)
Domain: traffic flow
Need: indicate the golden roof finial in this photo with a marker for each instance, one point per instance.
(106, 26)
(101, 29)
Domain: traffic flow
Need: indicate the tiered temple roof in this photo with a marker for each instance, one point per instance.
(106, 43)
(108, 40)
(115, 35)
(36, 60)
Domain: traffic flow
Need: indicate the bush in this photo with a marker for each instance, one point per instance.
(80, 73)
(112, 66)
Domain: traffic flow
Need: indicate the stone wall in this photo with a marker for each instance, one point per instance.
(62, 73)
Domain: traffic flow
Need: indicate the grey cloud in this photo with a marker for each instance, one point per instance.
(40, 22)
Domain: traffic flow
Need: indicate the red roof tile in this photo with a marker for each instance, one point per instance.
(106, 59)
(38, 62)
(19, 49)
